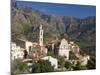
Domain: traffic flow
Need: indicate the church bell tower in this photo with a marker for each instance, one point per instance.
(41, 36)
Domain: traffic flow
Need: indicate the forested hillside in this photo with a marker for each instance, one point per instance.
(25, 24)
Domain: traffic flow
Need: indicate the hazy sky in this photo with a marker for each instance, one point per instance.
(79, 11)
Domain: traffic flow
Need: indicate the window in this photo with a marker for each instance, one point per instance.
(14, 57)
(64, 46)
(30, 48)
(41, 39)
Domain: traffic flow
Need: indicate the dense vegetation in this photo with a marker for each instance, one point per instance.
(18, 67)
(42, 66)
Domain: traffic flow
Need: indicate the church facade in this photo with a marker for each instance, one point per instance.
(64, 49)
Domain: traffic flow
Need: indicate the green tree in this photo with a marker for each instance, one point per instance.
(72, 56)
(17, 67)
(91, 63)
(42, 66)
(68, 65)
(78, 66)
(61, 61)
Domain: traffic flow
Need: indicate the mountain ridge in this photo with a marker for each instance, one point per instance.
(26, 21)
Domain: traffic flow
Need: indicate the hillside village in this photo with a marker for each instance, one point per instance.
(32, 52)
(43, 42)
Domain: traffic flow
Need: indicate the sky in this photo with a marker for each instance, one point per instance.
(78, 11)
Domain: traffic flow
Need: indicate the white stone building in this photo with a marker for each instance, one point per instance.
(64, 49)
(29, 46)
(16, 52)
(84, 60)
(74, 47)
(54, 61)
(25, 44)
(45, 50)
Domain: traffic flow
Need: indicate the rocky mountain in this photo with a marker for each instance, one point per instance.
(25, 24)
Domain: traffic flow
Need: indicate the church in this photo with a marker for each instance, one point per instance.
(64, 49)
